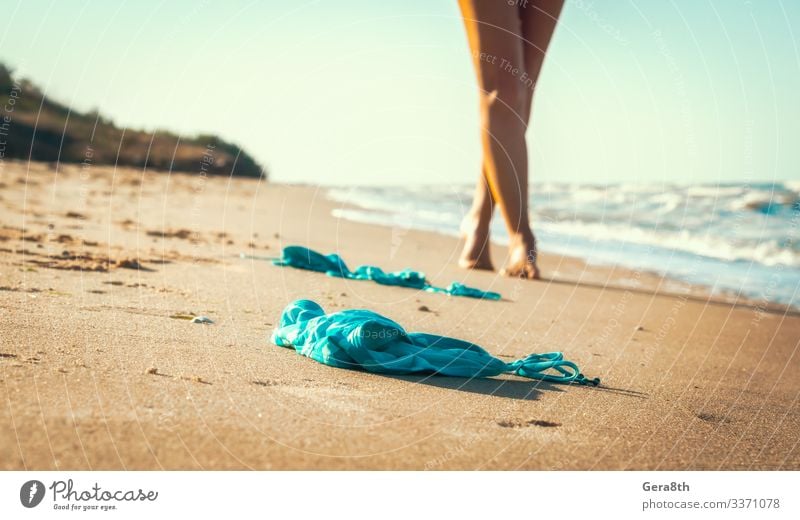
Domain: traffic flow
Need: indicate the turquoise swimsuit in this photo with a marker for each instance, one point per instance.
(333, 265)
(362, 339)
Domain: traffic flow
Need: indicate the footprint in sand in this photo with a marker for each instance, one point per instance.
(525, 424)
(183, 234)
(153, 371)
(712, 418)
(266, 383)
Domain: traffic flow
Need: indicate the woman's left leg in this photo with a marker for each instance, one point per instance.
(539, 19)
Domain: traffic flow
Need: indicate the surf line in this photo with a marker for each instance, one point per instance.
(332, 265)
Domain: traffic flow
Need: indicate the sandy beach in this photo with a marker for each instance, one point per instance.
(100, 370)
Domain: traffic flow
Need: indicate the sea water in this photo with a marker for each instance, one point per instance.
(734, 239)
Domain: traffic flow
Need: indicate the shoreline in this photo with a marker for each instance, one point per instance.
(100, 372)
(653, 280)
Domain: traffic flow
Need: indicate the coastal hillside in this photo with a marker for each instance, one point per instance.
(37, 127)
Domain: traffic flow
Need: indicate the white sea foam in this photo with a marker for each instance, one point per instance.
(741, 236)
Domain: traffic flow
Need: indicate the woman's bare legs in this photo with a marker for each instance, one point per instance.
(505, 64)
(494, 33)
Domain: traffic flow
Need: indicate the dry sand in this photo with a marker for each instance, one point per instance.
(98, 371)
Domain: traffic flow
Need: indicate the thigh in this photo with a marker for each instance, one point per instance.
(538, 20)
(494, 33)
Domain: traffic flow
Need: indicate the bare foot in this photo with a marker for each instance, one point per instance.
(476, 248)
(522, 258)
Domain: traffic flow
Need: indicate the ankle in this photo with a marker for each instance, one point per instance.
(475, 222)
(522, 237)
(524, 240)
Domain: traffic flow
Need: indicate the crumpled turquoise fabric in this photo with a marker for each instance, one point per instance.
(333, 265)
(362, 339)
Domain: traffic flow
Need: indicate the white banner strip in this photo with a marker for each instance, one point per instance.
(378, 495)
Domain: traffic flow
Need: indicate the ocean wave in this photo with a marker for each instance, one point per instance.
(737, 233)
(769, 252)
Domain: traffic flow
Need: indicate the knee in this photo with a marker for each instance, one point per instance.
(504, 101)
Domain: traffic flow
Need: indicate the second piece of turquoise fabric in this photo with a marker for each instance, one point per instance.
(366, 340)
(333, 265)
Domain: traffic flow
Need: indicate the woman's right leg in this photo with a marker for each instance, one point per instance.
(494, 35)
(475, 228)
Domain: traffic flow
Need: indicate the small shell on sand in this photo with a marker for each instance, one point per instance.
(202, 319)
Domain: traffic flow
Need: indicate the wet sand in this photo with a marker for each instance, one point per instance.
(99, 369)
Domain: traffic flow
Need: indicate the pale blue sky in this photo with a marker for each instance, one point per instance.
(382, 92)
